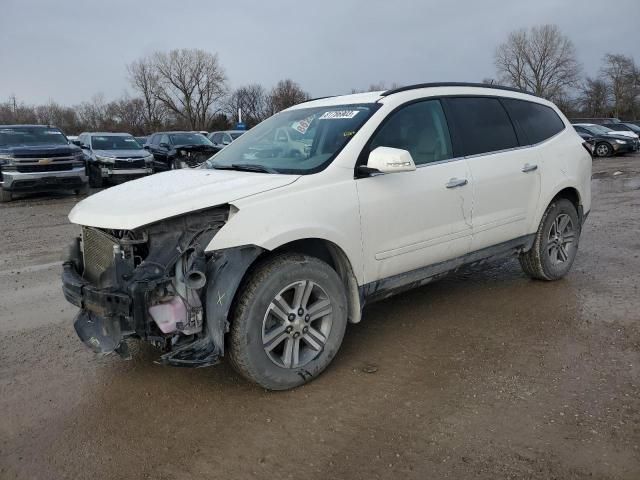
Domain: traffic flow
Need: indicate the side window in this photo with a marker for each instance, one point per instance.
(164, 139)
(580, 130)
(154, 140)
(538, 122)
(421, 128)
(217, 138)
(226, 138)
(484, 125)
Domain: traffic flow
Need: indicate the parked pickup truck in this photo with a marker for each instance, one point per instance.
(36, 158)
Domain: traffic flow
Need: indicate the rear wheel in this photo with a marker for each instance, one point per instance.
(556, 243)
(603, 150)
(289, 322)
(84, 190)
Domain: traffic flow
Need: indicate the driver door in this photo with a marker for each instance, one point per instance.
(415, 219)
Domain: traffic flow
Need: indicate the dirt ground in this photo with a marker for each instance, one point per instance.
(485, 374)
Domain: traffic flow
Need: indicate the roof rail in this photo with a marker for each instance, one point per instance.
(453, 84)
(317, 98)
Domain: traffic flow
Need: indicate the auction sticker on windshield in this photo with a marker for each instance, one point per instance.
(303, 125)
(337, 114)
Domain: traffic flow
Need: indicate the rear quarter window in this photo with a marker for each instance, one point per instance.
(483, 125)
(537, 122)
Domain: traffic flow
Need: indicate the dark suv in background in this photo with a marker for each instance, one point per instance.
(173, 150)
(36, 158)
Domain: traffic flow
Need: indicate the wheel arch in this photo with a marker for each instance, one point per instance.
(569, 192)
(332, 254)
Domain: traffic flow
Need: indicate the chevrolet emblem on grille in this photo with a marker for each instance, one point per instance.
(44, 161)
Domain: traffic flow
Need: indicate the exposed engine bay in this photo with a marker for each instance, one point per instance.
(150, 284)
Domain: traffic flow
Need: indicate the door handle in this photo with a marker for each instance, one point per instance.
(455, 182)
(529, 168)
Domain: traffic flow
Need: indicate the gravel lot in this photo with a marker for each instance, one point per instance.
(484, 374)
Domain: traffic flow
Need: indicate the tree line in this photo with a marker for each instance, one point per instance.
(188, 89)
(542, 60)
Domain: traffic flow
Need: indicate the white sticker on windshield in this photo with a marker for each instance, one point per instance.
(303, 125)
(337, 114)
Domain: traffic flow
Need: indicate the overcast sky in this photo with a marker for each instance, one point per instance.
(69, 50)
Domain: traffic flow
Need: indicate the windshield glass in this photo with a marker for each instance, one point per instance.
(297, 141)
(189, 139)
(114, 142)
(598, 129)
(26, 136)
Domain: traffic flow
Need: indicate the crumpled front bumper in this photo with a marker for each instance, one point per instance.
(102, 322)
(81, 293)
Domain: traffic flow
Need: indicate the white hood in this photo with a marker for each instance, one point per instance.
(164, 195)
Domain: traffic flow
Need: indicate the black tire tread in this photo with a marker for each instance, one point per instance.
(247, 292)
(531, 261)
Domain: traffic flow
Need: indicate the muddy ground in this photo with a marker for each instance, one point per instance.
(485, 374)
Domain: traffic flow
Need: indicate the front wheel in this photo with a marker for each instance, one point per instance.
(603, 150)
(95, 177)
(556, 243)
(288, 322)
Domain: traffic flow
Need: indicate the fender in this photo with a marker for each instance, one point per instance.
(226, 269)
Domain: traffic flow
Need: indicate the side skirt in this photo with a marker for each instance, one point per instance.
(386, 287)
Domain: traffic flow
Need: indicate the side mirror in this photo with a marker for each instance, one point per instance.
(390, 160)
(226, 142)
(146, 147)
(77, 143)
(84, 146)
(164, 145)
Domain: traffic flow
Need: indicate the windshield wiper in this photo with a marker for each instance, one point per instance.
(245, 167)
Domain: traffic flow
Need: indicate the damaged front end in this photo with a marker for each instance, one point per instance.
(151, 284)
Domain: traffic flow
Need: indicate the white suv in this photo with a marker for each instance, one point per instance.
(269, 250)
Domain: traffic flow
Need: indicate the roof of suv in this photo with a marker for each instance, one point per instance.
(23, 125)
(455, 87)
(113, 134)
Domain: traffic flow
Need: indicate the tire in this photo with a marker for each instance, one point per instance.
(556, 243)
(603, 149)
(5, 195)
(262, 344)
(95, 177)
(84, 190)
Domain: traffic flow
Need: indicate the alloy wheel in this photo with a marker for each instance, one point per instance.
(297, 324)
(602, 150)
(561, 238)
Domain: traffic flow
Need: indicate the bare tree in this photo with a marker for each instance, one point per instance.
(377, 87)
(62, 117)
(252, 99)
(285, 94)
(14, 111)
(144, 79)
(623, 78)
(540, 60)
(189, 84)
(93, 114)
(127, 114)
(594, 97)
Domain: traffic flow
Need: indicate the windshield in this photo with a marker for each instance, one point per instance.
(189, 139)
(633, 127)
(598, 129)
(296, 141)
(114, 142)
(26, 136)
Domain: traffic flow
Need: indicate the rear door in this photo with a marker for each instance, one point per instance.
(506, 178)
